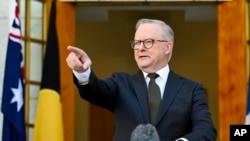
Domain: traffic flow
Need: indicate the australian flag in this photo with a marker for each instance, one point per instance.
(247, 120)
(13, 85)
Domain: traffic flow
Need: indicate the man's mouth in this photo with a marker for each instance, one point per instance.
(143, 56)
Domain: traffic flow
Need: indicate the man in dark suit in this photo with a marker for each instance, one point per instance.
(180, 112)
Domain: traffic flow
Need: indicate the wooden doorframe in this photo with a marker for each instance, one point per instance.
(232, 52)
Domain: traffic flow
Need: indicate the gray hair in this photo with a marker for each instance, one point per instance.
(168, 32)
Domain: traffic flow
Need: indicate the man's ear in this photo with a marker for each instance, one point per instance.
(169, 47)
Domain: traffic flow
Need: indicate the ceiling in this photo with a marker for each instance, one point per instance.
(193, 13)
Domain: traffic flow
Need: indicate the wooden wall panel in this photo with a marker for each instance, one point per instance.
(232, 43)
(101, 129)
(66, 36)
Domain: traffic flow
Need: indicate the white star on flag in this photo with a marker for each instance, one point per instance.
(18, 93)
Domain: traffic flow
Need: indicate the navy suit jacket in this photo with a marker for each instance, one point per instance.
(183, 110)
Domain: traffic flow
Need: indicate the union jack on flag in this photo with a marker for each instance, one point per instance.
(13, 85)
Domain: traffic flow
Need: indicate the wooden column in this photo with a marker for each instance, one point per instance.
(232, 52)
(66, 36)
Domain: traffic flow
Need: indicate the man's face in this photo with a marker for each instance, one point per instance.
(154, 58)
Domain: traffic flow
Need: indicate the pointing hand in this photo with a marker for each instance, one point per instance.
(78, 60)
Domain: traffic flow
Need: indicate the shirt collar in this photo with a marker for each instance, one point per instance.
(163, 72)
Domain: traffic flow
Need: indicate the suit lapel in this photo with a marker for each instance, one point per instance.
(141, 92)
(171, 89)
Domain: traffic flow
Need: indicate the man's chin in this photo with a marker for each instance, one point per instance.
(144, 67)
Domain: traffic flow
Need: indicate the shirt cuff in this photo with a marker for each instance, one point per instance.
(181, 139)
(83, 78)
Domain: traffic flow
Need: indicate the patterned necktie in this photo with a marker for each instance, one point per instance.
(154, 96)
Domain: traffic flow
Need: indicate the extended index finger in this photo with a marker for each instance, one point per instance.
(79, 52)
(74, 49)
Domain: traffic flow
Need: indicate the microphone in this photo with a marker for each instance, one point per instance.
(145, 132)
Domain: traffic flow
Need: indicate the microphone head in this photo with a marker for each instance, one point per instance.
(145, 132)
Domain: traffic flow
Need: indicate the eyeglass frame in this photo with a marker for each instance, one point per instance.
(134, 42)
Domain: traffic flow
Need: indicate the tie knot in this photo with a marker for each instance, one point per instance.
(153, 75)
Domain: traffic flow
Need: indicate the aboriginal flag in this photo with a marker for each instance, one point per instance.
(48, 122)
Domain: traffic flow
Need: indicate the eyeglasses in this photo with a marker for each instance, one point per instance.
(147, 43)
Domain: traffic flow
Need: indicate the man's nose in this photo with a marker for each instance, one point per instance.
(141, 46)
